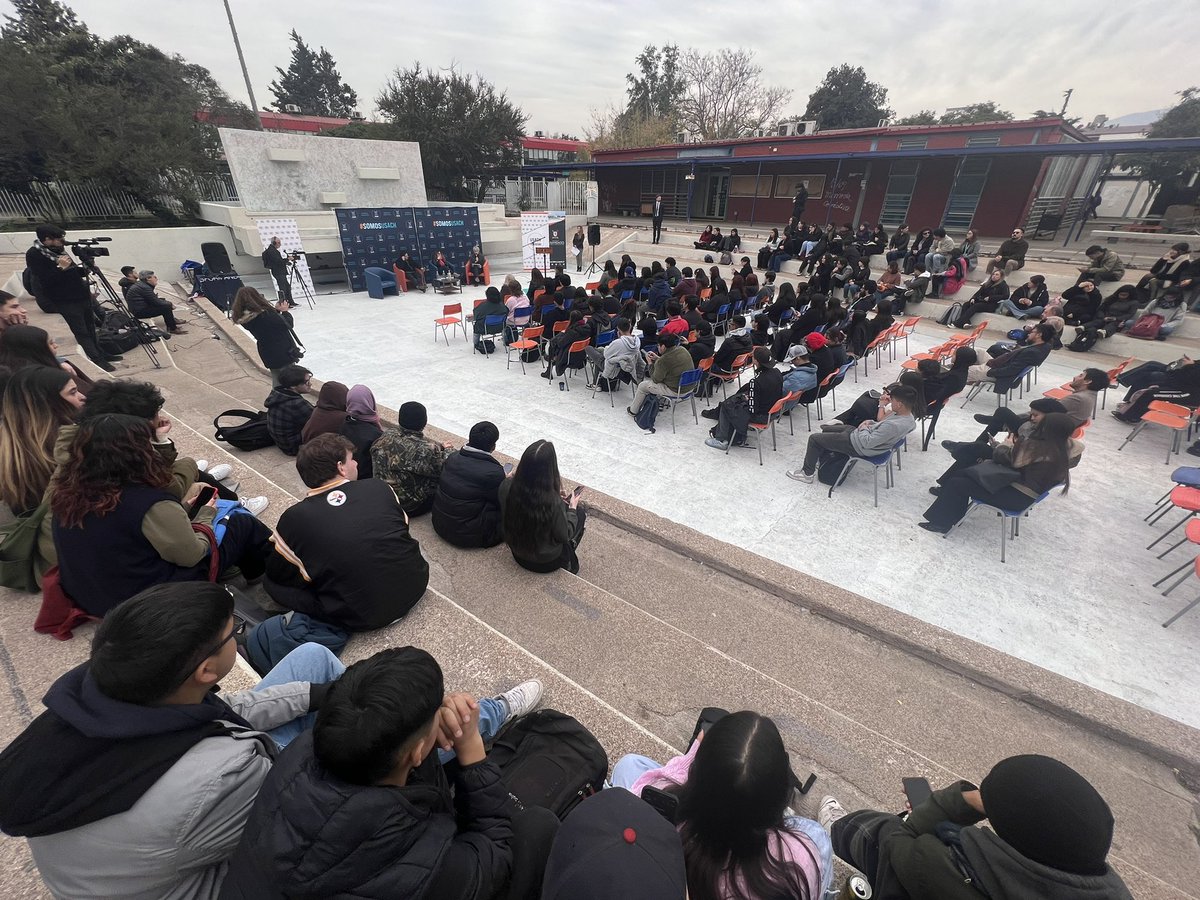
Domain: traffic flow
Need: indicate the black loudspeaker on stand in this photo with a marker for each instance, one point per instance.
(593, 233)
(216, 257)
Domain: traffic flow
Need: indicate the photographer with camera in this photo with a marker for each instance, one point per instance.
(277, 343)
(63, 283)
(275, 262)
(145, 304)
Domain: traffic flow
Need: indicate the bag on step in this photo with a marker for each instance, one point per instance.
(118, 334)
(1146, 327)
(726, 258)
(274, 638)
(950, 316)
(549, 760)
(1084, 340)
(647, 415)
(251, 434)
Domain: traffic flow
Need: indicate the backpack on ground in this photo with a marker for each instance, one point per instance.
(950, 316)
(647, 415)
(830, 467)
(252, 434)
(726, 258)
(118, 333)
(549, 760)
(1084, 340)
(1146, 327)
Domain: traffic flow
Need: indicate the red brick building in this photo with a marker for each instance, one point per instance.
(891, 174)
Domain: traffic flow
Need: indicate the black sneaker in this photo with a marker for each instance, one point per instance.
(950, 445)
(710, 414)
(113, 357)
(106, 366)
(983, 419)
(1194, 450)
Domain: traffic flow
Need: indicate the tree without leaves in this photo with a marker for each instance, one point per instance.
(313, 83)
(725, 96)
(467, 129)
(846, 99)
(612, 130)
(975, 112)
(1073, 121)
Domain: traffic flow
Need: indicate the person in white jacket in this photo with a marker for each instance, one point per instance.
(137, 780)
(623, 355)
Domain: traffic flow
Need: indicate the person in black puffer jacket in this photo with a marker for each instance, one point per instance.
(466, 509)
(272, 330)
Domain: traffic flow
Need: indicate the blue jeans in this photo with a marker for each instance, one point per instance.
(633, 766)
(315, 664)
(1021, 312)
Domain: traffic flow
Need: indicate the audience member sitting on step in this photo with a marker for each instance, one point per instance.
(620, 361)
(867, 440)
(410, 462)
(1027, 468)
(37, 402)
(344, 554)
(1028, 301)
(542, 525)
(362, 427)
(28, 345)
(1080, 303)
(11, 311)
(118, 530)
(751, 403)
(665, 368)
(732, 791)
(1114, 311)
(1103, 265)
(1050, 835)
(137, 779)
(466, 510)
(985, 300)
(145, 304)
(287, 411)
(1010, 364)
(330, 414)
(365, 802)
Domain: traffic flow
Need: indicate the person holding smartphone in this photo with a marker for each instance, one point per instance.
(543, 525)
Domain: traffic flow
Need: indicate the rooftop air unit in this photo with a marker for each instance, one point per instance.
(796, 127)
(291, 108)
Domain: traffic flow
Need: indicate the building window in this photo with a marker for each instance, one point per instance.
(984, 140)
(1058, 176)
(968, 186)
(912, 143)
(902, 179)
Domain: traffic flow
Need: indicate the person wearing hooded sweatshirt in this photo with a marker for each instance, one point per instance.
(1113, 312)
(137, 780)
(1049, 838)
(287, 411)
(330, 414)
(621, 360)
(493, 305)
(362, 427)
(361, 806)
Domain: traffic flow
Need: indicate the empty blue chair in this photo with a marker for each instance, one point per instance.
(380, 282)
(688, 382)
(605, 338)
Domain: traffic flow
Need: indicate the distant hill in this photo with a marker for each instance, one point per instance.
(1139, 118)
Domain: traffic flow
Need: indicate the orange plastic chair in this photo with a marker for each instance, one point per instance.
(1113, 375)
(735, 373)
(705, 293)
(1190, 606)
(452, 314)
(907, 327)
(529, 340)
(693, 336)
(477, 302)
(487, 272)
(536, 294)
(1169, 415)
(591, 286)
(1182, 497)
(577, 347)
(759, 427)
(560, 327)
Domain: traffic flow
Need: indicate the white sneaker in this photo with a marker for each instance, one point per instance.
(202, 465)
(800, 475)
(523, 699)
(220, 473)
(829, 812)
(255, 505)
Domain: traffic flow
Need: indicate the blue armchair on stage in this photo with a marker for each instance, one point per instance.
(380, 282)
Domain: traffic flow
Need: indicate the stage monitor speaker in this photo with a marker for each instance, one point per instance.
(216, 257)
(594, 235)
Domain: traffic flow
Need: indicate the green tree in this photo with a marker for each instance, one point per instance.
(923, 117)
(846, 99)
(612, 130)
(657, 88)
(975, 112)
(312, 82)
(1171, 172)
(467, 129)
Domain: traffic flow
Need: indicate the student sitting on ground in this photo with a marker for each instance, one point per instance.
(362, 427)
(1050, 835)
(868, 439)
(985, 300)
(751, 403)
(344, 554)
(1028, 301)
(542, 525)
(330, 414)
(138, 778)
(1111, 316)
(733, 788)
(11, 311)
(145, 304)
(362, 807)
(118, 530)
(36, 403)
(287, 411)
(665, 368)
(466, 510)
(1080, 303)
(620, 361)
(408, 461)
(1038, 462)
(28, 345)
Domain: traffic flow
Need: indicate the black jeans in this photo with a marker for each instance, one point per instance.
(152, 309)
(567, 559)
(957, 492)
(281, 282)
(1004, 419)
(832, 441)
(246, 544)
(82, 323)
(533, 829)
(657, 233)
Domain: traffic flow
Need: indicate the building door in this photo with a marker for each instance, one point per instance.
(717, 196)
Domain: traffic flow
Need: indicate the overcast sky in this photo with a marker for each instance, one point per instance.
(558, 60)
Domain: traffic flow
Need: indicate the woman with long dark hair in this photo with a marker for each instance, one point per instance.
(28, 345)
(542, 525)
(272, 332)
(764, 253)
(37, 402)
(330, 414)
(785, 299)
(118, 530)
(733, 787)
(537, 282)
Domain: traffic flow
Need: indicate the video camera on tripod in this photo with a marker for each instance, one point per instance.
(294, 255)
(89, 249)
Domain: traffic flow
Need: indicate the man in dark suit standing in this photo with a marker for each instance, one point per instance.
(274, 262)
(798, 203)
(656, 217)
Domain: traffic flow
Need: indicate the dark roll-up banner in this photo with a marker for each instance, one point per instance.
(558, 242)
(377, 237)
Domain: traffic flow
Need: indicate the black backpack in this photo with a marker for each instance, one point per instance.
(252, 434)
(118, 334)
(830, 467)
(549, 760)
(1084, 340)
(648, 413)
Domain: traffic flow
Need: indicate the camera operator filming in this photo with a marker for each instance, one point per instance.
(63, 284)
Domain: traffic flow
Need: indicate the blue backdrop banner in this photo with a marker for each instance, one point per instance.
(377, 237)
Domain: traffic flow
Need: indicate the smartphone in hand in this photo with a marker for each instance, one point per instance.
(508, 467)
(207, 492)
(578, 490)
(917, 790)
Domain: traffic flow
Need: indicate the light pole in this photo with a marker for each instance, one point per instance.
(242, 60)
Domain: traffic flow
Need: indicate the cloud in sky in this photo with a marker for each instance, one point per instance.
(558, 61)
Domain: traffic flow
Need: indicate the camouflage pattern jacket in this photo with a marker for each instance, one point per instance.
(410, 463)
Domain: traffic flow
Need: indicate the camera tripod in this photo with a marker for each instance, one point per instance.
(294, 278)
(147, 336)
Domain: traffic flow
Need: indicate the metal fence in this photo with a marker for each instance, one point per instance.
(66, 202)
